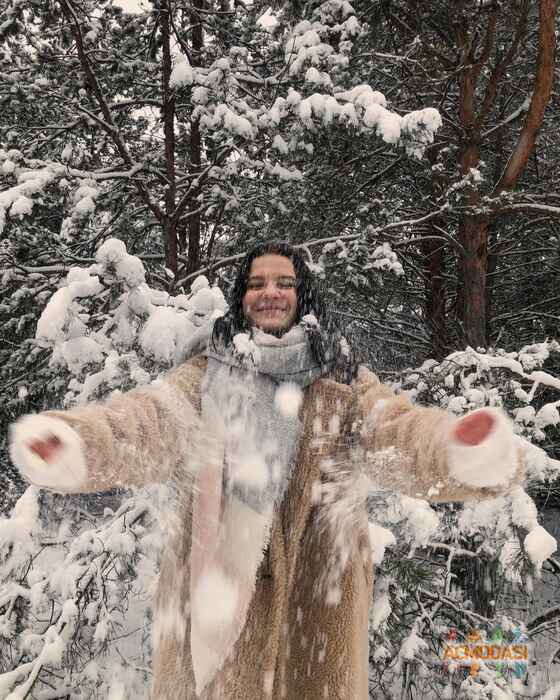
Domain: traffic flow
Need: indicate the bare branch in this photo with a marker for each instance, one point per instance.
(541, 95)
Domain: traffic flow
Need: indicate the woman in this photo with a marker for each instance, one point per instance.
(272, 435)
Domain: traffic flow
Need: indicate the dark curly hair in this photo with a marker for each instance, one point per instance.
(327, 342)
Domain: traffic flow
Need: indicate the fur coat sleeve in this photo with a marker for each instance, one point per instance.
(131, 439)
(411, 449)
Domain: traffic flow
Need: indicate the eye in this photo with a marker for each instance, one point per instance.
(287, 284)
(255, 284)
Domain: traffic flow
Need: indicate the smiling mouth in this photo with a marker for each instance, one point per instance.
(271, 308)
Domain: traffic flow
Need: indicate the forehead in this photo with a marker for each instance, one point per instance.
(272, 266)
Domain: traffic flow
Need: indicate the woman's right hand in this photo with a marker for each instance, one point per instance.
(48, 453)
(48, 448)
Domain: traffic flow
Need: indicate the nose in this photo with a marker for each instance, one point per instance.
(271, 289)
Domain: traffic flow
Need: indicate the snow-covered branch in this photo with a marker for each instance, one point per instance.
(81, 591)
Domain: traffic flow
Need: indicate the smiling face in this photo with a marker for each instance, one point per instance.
(270, 300)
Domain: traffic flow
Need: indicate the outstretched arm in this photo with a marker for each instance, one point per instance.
(130, 440)
(427, 452)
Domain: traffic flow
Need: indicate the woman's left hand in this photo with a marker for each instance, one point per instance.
(482, 449)
(474, 428)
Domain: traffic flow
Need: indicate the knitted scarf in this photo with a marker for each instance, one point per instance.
(250, 399)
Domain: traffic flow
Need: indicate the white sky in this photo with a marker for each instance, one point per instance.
(134, 7)
(138, 7)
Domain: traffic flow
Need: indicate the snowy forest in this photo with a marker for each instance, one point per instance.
(411, 151)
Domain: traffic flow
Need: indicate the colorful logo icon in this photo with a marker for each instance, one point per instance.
(503, 651)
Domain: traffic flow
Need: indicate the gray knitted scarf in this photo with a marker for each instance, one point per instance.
(250, 402)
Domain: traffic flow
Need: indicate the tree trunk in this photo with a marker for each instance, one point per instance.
(544, 81)
(493, 232)
(195, 150)
(435, 297)
(193, 261)
(168, 116)
(473, 235)
(471, 297)
(472, 302)
(491, 267)
(481, 581)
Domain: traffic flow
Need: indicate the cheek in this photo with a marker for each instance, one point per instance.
(248, 301)
(293, 301)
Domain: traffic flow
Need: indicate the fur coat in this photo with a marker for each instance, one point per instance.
(306, 634)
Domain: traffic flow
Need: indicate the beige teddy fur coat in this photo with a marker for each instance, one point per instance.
(306, 634)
